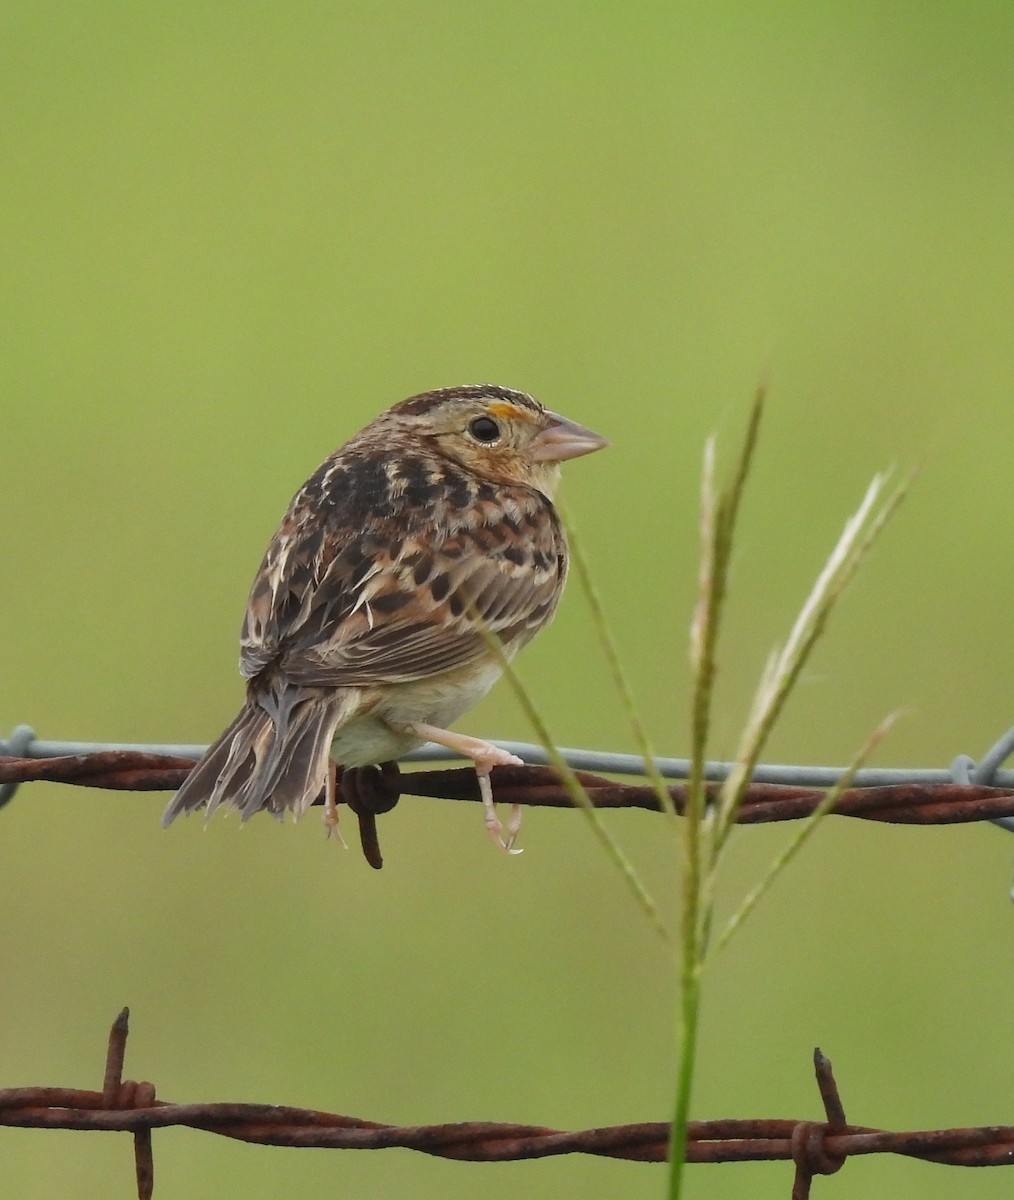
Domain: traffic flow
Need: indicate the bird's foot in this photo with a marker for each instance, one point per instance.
(331, 805)
(485, 756)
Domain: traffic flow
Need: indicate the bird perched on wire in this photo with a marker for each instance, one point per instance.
(368, 628)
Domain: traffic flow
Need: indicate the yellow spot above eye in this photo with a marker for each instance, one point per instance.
(508, 411)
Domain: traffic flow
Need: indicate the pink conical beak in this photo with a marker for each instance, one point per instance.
(563, 439)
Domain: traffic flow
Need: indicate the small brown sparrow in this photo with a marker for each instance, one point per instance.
(366, 631)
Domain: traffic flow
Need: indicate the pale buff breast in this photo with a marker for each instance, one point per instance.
(373, 737)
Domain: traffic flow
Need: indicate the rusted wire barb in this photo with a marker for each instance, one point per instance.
(809, 1139)
(815, 1147)
(119, 1095)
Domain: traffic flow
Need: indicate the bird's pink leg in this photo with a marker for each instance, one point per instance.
(331, 803)
(485, 756)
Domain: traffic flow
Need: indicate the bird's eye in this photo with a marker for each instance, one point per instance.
(484, 429)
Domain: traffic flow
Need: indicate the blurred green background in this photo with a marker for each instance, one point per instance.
(233, 233)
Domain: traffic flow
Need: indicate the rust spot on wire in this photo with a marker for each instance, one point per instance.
(833, 1108)
(115, 1054)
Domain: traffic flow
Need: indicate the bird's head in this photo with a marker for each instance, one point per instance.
(496, 433)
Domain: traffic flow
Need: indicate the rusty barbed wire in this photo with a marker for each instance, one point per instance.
(815, 1147)
(372, 791)
(24, 743)
(901, 803)
(962, 795)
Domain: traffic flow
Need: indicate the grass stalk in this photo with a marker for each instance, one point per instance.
(708, 827)
(719, 510)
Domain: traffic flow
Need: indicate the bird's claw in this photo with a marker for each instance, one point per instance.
(493, 823)
(331, 805)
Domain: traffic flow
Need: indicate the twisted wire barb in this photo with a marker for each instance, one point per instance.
(815, 1147)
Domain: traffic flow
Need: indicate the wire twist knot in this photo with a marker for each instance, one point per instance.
(810, 1152)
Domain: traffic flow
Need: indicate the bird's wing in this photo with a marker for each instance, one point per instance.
(395, 602)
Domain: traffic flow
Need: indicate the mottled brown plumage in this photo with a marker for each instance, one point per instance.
(363, 634)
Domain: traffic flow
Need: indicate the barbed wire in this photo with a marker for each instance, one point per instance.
(815, 1147)
(23, 743)
(967, 792)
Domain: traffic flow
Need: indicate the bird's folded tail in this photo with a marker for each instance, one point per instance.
(273, 756)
